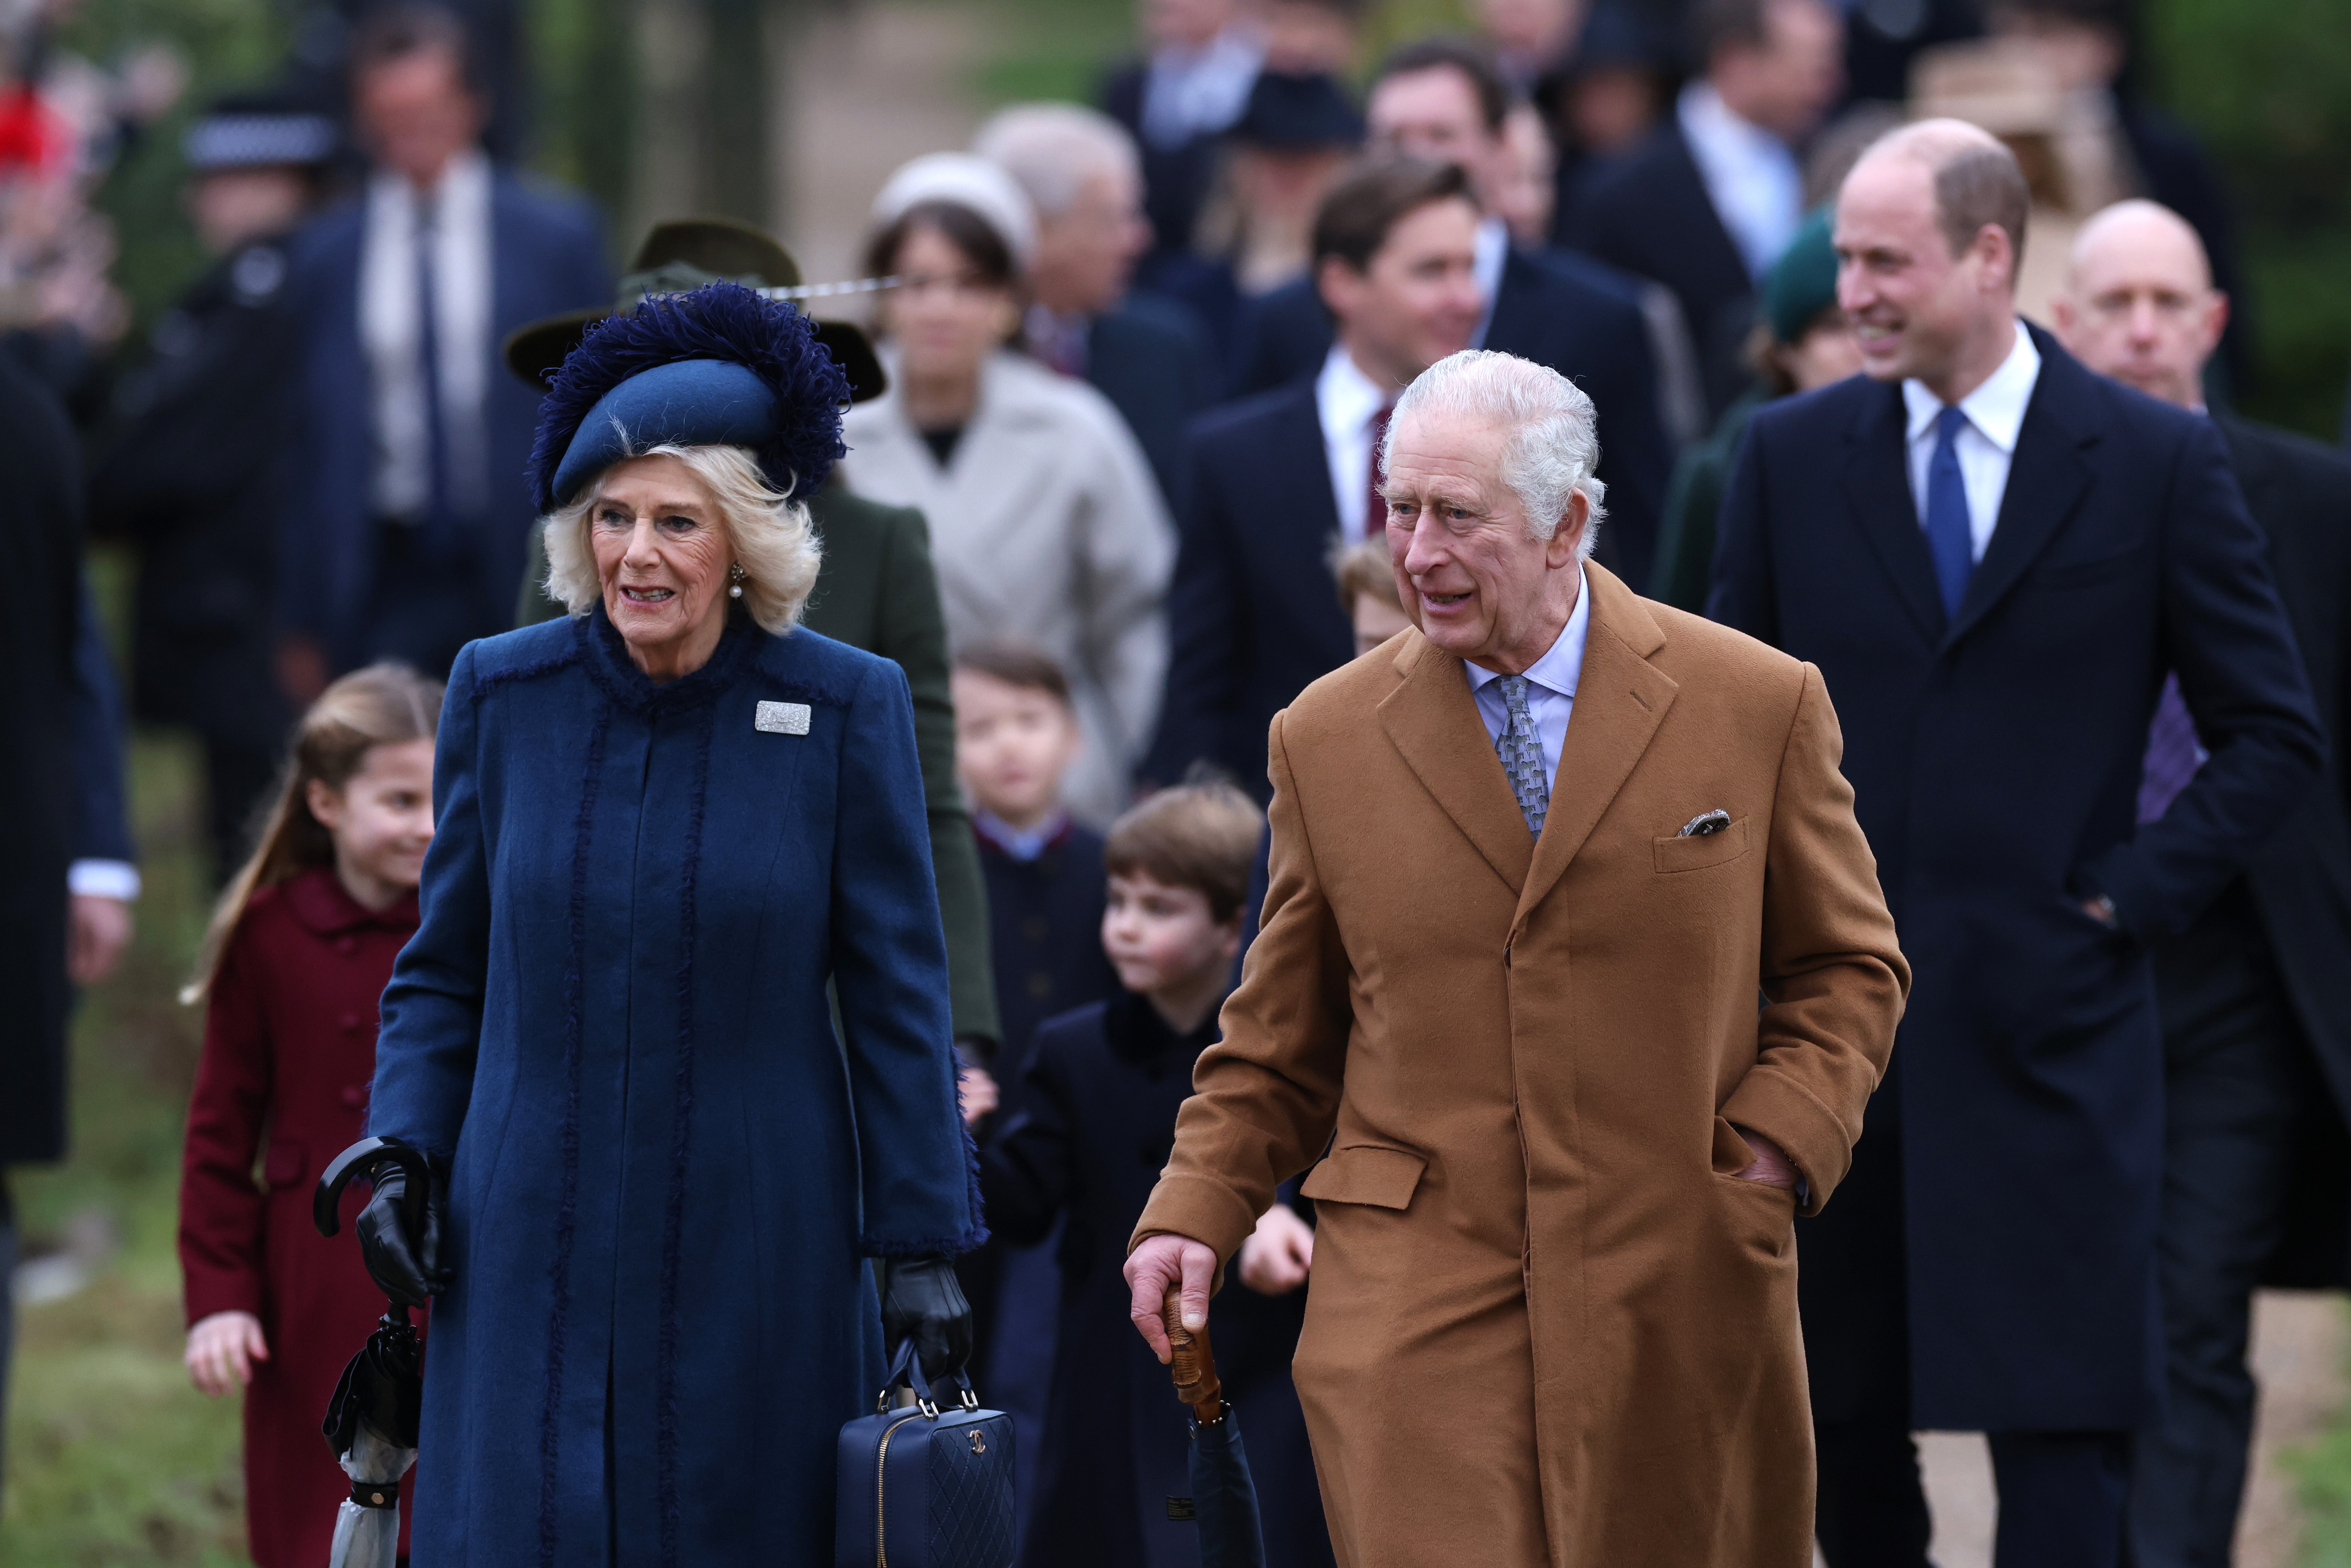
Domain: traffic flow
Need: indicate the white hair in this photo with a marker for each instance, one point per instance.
(774, 541)
(1553, 442)
(1051, 150)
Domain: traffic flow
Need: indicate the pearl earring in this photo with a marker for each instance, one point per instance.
(735, 592)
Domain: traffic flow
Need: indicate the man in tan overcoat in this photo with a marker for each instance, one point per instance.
(1534, 863)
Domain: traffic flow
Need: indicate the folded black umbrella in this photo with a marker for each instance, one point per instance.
(1223, 1499)
(372, 1422)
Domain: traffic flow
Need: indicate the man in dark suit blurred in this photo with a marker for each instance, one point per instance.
(2255, 995)
(1708, 202)
(1179, 98)
(1278, 480)
(1148, 355)
(1994, 556)
(40, 531)
(405, 517)
(1444, 100)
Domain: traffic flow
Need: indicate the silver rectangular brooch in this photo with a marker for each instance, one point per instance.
(783, 718)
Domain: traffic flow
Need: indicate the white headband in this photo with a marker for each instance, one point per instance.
(968, 181)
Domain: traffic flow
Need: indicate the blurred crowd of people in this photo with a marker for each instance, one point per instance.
(1111, 499)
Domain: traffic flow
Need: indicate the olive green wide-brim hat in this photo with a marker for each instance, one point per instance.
(678, 258)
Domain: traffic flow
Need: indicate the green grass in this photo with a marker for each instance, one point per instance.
(112, 1458)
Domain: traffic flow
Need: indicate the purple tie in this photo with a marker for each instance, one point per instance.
(2172, 753)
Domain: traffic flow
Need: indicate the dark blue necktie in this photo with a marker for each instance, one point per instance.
(1948, 533)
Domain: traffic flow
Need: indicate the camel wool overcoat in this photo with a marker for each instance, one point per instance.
(1548, 1327)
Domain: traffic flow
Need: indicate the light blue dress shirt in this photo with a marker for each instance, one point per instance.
(1551, 683)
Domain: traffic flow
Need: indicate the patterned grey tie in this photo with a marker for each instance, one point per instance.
(1520, 751)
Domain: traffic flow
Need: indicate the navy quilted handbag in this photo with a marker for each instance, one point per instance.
(925, 1486)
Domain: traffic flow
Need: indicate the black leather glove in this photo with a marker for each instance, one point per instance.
(923, 1300)
(405, 1267)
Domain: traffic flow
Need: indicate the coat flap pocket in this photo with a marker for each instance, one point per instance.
(286, 1165)
(1696, 853)
(1366, 1173)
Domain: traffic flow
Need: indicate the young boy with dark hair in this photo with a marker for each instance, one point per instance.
(1016, 736)
(1098, 1118)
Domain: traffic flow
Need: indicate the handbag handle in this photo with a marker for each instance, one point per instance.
(1192, 1362)
(906, 1369)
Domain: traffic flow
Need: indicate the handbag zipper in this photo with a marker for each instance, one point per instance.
(880, 1484)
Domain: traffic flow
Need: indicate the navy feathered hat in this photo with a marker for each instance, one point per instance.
(718, 367)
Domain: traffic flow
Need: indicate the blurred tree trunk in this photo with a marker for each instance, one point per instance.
(734, 123)
(604, 110)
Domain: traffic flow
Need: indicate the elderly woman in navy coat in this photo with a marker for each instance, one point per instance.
(665, 824)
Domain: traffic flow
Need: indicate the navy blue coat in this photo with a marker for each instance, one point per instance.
(547, 257)
(2016, 1145)
(669, 1169)
(1097, 1121)
(1253, 615)
(1647, 210)
(1553, 308)
(1153, 360)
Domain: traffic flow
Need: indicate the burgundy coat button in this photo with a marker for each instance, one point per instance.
(355, 1097)
(347, 944)
(350, 1023)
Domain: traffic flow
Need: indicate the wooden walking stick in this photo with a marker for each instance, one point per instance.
(1193, 1365)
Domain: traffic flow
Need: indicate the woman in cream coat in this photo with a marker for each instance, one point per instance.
(1045, 523)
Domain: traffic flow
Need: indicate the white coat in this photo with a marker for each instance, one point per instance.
(1048, 528)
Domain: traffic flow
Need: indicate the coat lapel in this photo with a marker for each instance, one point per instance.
(1620, 700)
(2046, 480)
(1432, 721)
(1877, 482)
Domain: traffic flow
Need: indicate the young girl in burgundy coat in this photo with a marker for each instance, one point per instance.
(298, 951)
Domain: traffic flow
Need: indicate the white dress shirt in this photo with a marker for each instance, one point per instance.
(1199, 92)
(1493, 253)
(1752, 179)
(1551, 684)
(1986, 445)
(1346, 401)
(103, 879)
(390, 332)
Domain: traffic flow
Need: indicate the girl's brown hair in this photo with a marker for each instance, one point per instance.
(383, 704)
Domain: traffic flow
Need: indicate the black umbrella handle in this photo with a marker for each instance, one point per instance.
(364, 1159)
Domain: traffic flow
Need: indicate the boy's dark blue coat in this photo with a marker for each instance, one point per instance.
(1099, 1100)
(668, 1168)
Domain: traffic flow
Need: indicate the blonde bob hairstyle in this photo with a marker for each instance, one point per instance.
(773, 537)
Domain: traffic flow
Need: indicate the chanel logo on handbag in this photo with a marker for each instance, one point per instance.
(783, 718)
(979, 1443)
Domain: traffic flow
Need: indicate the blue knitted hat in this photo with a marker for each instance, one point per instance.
(719, 367)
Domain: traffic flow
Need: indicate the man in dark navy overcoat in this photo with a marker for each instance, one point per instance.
(1994, 556)
(405, 519)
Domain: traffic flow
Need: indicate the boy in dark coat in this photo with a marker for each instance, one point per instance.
(1097, 1119)
(1016, 735)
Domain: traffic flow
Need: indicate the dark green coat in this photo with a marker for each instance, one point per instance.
(878, 592)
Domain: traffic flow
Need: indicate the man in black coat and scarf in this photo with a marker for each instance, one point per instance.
(191, 451)
(40, 531)
(2255, 995)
